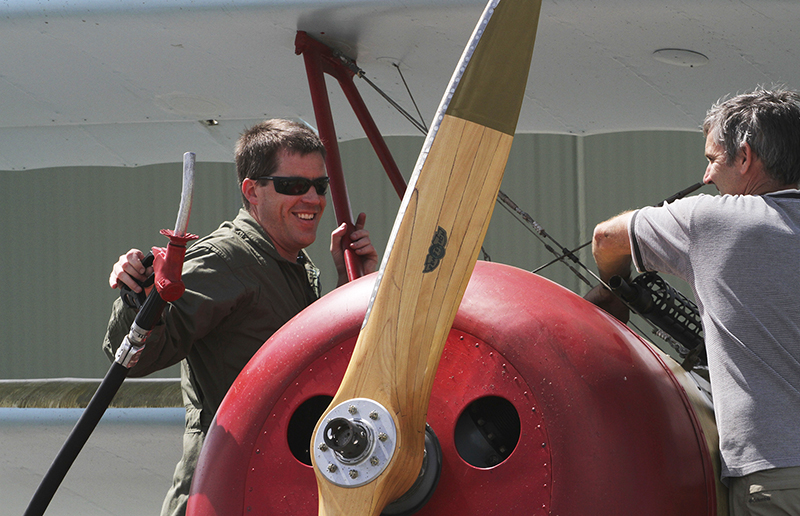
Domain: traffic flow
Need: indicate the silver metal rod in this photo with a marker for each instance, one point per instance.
(182, 224)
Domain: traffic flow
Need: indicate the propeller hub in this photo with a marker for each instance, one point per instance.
(355, 443)
(348, 439)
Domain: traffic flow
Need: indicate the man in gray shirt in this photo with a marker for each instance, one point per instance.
(740, 252)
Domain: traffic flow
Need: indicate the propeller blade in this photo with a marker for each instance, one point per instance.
(368, 448)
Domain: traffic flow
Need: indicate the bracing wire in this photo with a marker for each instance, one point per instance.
(565, 255)
(399, 71)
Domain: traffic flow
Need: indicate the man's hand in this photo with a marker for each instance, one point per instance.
(608, 301)
(360, 244)
(128, 270)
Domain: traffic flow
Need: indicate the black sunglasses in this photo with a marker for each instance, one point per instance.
(297, 185)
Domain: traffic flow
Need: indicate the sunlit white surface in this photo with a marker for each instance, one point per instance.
(124, 469)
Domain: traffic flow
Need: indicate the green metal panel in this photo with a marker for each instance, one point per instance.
(628, 170)
(61, 231)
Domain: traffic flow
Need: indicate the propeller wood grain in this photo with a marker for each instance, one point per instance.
(432, 251)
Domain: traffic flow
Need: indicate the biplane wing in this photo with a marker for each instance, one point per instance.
(125, 82)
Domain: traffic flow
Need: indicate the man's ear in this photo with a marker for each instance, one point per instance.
(249, 191)
(746, 159)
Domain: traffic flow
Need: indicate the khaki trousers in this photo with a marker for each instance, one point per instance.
(773, 492)
(178, 495)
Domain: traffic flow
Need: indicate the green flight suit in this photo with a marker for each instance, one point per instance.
(239, 291)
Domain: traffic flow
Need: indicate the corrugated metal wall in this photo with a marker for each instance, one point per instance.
(62, 229)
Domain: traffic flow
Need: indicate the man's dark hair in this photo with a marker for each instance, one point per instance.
(257, 150)
(767, 120)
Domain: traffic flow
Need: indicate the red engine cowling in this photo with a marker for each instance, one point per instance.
(542, 404)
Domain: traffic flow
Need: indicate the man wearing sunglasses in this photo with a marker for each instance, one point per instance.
(243, 281)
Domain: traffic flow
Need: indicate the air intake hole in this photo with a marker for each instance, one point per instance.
(301, 426)
(487, 431)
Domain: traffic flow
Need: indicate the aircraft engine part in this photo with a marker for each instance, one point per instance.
(542, 404)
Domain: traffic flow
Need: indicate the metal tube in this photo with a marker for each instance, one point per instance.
(333, 160)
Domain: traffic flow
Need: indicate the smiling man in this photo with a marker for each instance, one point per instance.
(290, 218)
(243, 281)
(739, 251)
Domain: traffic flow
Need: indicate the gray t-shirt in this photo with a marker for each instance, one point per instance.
(740, 254)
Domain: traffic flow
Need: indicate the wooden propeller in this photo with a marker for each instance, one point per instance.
(430, 257)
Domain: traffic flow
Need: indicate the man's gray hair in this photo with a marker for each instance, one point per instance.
(768, 121)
